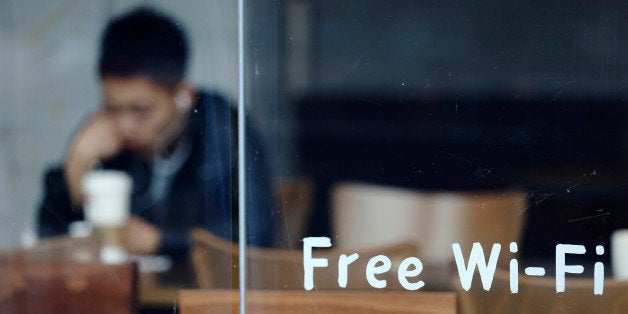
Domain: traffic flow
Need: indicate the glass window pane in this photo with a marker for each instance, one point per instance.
(118, 134)
(401, 128)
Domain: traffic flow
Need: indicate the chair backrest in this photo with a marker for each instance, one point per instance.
(329, 302)
(293, 200)
(215, 263)
(367, 215)
(538, 295)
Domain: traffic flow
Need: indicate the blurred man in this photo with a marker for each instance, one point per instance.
(178, 145)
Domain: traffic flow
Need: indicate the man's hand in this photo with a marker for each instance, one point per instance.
(140, 237)
(98, 139)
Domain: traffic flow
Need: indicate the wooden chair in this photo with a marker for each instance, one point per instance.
(369, 215)
(538, 295)
(215, 263)
(328, 302)
(293, 198)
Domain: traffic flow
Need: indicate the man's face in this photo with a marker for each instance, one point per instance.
(141, 110)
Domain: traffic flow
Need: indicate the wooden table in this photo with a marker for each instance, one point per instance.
(152, 292)
(329, 302)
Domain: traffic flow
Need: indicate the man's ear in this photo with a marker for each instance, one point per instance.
(184, 98)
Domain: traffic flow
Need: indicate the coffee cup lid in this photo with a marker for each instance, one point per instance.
(106, 180)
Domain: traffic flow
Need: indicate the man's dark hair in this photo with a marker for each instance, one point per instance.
(144, 42)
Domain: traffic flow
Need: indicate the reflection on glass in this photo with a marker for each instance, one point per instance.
(420, 125)
(157, 107)
(384, 137)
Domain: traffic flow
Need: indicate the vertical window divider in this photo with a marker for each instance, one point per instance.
(241, 161)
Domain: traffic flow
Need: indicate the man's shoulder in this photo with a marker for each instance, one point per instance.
(207, 98)
(213, 109)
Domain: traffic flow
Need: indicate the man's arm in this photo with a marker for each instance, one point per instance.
(260, 216)
(95, 141)
(55, 211)
(259, 210)
(220, 215)
(61, 205)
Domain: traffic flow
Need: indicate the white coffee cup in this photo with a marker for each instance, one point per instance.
(619, 254)
(107, 196)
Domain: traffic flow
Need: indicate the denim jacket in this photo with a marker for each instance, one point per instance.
(203, 192)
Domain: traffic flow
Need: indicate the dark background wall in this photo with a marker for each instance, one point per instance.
(466, 95)
(526, 46)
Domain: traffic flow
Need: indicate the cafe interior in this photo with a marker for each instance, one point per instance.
(393, 128)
